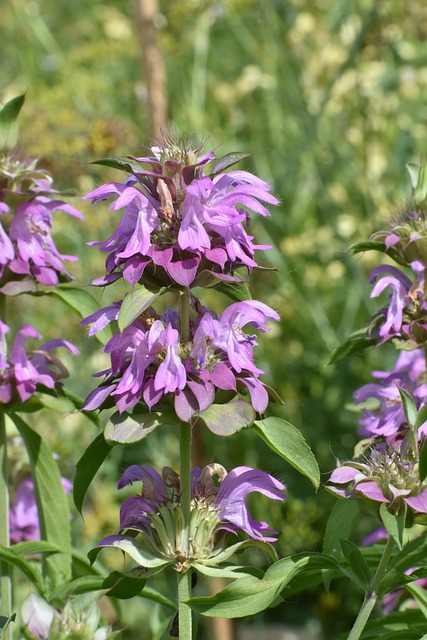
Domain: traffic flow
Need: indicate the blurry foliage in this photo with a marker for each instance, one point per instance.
(328, 96)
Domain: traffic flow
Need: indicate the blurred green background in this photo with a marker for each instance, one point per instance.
(329, 98)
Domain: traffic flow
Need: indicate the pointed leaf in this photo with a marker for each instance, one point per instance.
(8, 122)
(232, 571)
(423, 461)
(83, 584)
(288, 442)
(134, 303)
(356, 343)
(229, 418)
(409, 407)
(237, 291)
(8, 556)
(420, 595)
(16, 287)
(123, 585)
(132, 548)
(130, 428)
(122, 164)
(226, 553)
(52, 503)
(33, 547)
(368, 245)
(357, 562)
(421, 417)
(395, 525)
(340, 524)
(228, 161)
(87, 468)
(5, 622)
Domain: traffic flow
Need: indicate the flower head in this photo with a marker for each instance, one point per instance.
(218, 506)
(27, 202)
(22, 371)
(387, 474)
(178, 221)
(149, 360)
(388, 419)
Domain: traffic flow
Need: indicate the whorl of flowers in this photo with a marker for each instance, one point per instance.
(27, 202)
(22, 371)
(150, 360)
(387, 474)
(388, 418)
(218, 506)
(179, 221)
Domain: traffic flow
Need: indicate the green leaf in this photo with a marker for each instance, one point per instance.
(233, 571)
(395, 525)
(288, 442)
(123, 586)
(237, 291)
(16, 287)
(340, 524)
(87, 468)
(83, 584)
(134, 303)
(229, 418)
(423, 461)
(128, 428)
(356, 343)
(8, 122)
(368, 245)
(418, 176)
(152, 594)
(245, 597)
(133, 549)
(226, 553)
(360, 571)
(421, 417)
(122, 164)
(52, 503)
(409, 408)
(5, 622)
(33, 547)
(83, 303)
(420, 595)
(8, 556)
(228, 161)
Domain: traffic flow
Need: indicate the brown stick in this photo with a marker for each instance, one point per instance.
(153, 66)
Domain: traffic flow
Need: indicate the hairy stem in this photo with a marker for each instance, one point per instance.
(372, 597)
(5, 571)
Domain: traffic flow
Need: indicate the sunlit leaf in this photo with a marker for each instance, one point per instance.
(87, 468)
(128, 428)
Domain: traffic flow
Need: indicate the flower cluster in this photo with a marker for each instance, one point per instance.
(388, 474)
(149, 359)
(178, 221)
(22, 371)
(218, 506)
(80, 619)
(23, 514)
(27, 202)
(388, 419)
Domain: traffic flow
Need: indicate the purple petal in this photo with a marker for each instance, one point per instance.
(418, 503)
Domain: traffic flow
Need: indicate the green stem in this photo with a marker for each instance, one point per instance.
(371, 597)
(184, 577)
(5, 571)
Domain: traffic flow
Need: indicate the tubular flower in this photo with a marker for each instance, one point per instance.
(178, 221)
(149, 360)
(27, 202)
(22, 371)
(388, 474)
(218, 506)
(388, 419)
(405, 317)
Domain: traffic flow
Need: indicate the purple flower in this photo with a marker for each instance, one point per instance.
(149, 360)
(26, 246)
(388, 419)
(405, 316)
(388, 474)
(23, 514)
(218, 506)
(178, 221)
(22, 371)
